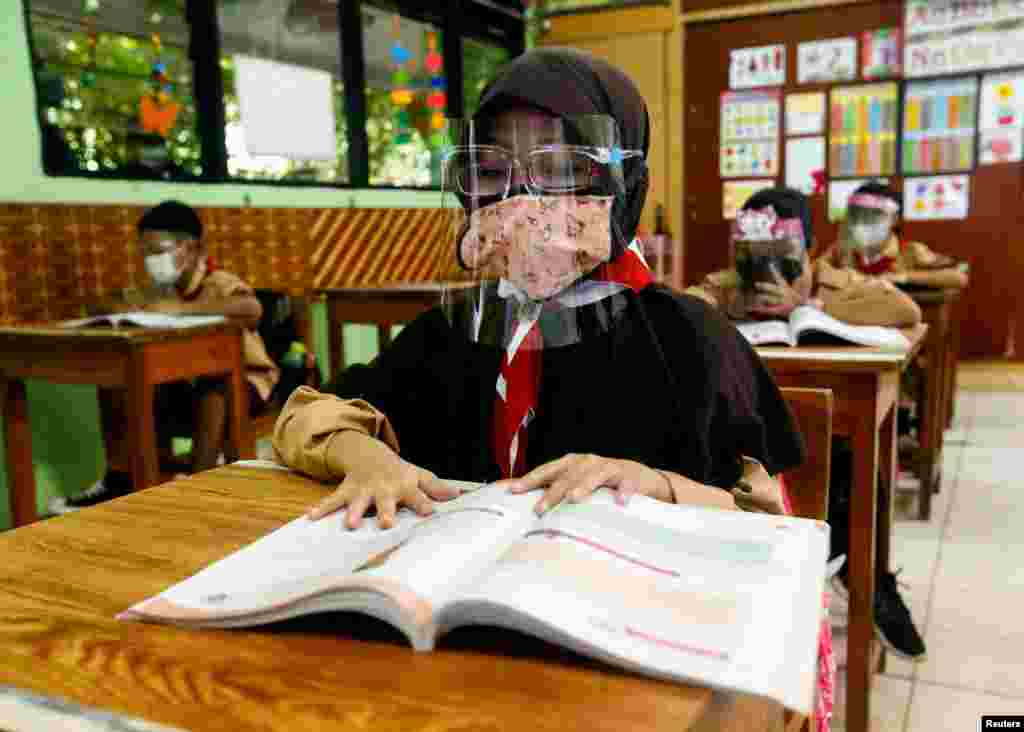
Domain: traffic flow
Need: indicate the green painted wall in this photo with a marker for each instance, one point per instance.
(65, 428)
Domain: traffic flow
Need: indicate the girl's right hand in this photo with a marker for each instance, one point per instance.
(376, 476)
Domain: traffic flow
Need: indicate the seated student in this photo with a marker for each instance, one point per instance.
(842, 293)
(871, 243)
(185, 283)
(846, 295)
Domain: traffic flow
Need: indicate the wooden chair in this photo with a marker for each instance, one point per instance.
(808, 485)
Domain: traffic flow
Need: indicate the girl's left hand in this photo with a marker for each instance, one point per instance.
(577, 476)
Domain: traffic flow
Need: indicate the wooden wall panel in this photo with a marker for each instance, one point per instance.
(56, 258)
(991, 308)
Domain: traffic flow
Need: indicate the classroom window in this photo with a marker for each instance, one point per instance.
(480, 60)
(299, 47)
(114, 85)
(406, 99)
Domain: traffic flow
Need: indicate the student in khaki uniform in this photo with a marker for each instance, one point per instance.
(871, 244)
(185, 283)
(843, 293)
(773, 275)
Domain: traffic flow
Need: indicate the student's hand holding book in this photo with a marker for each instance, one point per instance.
(375, 475)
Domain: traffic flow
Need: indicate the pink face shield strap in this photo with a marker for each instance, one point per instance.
(877, 203)
(765, 225)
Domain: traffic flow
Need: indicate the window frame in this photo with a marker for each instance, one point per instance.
(482, 20)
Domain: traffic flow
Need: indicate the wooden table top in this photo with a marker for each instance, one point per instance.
(845, 358)
(396, 289)
(64, 579)
(12, 336)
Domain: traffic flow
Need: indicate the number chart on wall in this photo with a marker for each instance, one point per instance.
(750, 134)
(863, 126)
(939, 125)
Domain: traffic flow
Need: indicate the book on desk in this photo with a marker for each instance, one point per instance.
(143, 319)
(727, 599)
(810, 326)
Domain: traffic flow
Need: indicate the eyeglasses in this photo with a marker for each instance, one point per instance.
(158, 247)
(486, 170)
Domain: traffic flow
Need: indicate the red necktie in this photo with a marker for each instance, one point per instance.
(519, 379)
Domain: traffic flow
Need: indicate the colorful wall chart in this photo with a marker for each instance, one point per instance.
(825, 61)
(939, 125)
(750, 134)
(805, 164)
(863, 125)
(935, 198)
(881, 54)
(1002, 118)
(839, 192)
(805, 114)
(955, 36)
(750, 68)
(737, 192)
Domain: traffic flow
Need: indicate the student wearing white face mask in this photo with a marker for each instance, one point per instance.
(184, 282)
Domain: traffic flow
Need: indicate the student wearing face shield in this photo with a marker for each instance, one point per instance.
(772, 276)
(772, 273)
(553, 361)
(871, 244)
(183, 281)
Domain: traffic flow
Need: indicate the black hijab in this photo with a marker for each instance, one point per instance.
(567, 82)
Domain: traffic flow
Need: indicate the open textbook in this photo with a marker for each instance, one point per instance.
(723, 598)
(806, 323)
(145, 320)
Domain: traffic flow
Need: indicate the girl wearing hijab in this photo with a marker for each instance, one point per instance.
(871, 243)
(773, 274)
(556, 363)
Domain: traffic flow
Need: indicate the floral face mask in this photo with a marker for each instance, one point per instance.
(540, 244)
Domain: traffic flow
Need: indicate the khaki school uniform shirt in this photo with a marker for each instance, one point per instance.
(920, 264)
(846, 295)
(260, 369)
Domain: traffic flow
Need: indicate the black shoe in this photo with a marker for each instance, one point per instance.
(107, 487)
(893, 625)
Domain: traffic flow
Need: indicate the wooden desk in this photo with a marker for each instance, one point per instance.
(135, 359)
(383, 306)
(865, 385)
(64, 580)
(938, 384)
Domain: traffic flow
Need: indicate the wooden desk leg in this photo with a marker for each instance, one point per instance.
(383, 335)
(928, 421)
(238, 408)
(861, 563)
(888, 460)
(141, 425)
(21, 480)
(336, 332)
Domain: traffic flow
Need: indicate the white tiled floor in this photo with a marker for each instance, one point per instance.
(965, 575)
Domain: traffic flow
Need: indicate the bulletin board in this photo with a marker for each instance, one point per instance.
(987, 237)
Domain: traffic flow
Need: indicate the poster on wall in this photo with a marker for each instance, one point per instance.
(737, 192)
(750, 68)
(936, 198)
(881, 54)
(1002, 118)
(827, 61)
(805, 114)
(862, 130)
(805, 164)
(939, 125)
(839, 192)
(954, 36)
(750, 134)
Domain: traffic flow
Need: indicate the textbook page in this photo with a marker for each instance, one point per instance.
(764, 332)
(147, 320)
(805, 319)
(412, 563)
(723, 598)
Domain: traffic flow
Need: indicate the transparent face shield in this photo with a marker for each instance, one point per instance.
(869, 225)
(766, 249)
(531, 202)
